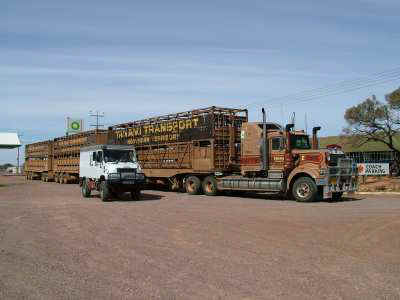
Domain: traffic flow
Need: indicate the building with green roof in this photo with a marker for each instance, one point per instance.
(370, 152)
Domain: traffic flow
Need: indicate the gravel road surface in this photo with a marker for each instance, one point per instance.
(56, 245)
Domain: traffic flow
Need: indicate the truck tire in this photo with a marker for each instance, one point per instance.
(85, 190)
(210, 187)
(104, 192)
(193, 185)
(337, 196)
(304, 189)
(136, 194)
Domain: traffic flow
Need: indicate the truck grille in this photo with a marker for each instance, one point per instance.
(334, 159)
(126, 170)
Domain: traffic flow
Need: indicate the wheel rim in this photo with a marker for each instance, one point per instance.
(303, 190)
(191, 186)
(209, 187)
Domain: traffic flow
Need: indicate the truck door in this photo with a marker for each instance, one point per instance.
(96, 163)
(277, 153)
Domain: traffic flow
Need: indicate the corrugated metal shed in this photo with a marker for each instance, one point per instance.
(9, 140)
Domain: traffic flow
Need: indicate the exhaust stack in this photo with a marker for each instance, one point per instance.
(314, 137)
(264, 139)
(288, 127)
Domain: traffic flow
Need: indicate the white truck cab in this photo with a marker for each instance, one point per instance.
(110, 169)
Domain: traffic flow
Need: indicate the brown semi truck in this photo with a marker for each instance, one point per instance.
(58, 159)
(216, 149)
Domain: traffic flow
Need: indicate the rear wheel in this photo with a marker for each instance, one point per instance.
(210, 187)
(104, 191)
(85, 190)
(304, 189)
(193, 185)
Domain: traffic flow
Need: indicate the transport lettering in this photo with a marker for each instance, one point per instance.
(161, 132)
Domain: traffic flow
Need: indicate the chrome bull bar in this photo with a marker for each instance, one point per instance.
(341, 178)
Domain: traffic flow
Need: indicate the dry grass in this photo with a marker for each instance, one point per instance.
(380, 184)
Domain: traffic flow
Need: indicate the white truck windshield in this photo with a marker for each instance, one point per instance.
(119, 156)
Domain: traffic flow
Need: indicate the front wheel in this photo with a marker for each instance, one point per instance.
(85, 190)
(104, 192)
(304, 190)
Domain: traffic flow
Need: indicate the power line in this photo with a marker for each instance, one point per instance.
(349, 84)
(337, 88)
(344, 91)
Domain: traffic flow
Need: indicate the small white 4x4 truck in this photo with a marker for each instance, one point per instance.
(110, 169)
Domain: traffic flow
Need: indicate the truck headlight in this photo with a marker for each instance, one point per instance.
(113, 176)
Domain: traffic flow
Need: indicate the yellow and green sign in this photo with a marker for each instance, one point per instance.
(74, 125)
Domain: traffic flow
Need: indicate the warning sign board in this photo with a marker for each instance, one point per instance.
(369, 169)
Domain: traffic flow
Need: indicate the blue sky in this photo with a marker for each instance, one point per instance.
(134, 59)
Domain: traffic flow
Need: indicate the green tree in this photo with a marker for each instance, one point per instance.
(5, 166)
(372, 120)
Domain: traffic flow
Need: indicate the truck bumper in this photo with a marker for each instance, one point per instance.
(341, 178)
(329, 189)
(126, 182)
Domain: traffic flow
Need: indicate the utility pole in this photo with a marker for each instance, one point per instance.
(305, 122)
(18, 172)
(97, 115)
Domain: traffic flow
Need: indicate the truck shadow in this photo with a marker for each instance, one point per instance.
(344, 199)
(127, 197)
(283, 198)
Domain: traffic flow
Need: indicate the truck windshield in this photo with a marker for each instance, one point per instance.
(300, 142)
(119, 156)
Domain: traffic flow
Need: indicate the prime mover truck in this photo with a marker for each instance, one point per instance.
(217, 149)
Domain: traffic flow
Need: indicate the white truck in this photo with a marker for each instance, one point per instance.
(110, 169)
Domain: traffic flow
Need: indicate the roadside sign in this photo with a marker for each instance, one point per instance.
(369, 169)
(74, 125)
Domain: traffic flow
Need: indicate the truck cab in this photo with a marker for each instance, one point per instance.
(284, 160)
(110, 169)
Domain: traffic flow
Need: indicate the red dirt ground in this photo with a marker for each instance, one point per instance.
(55, 244)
